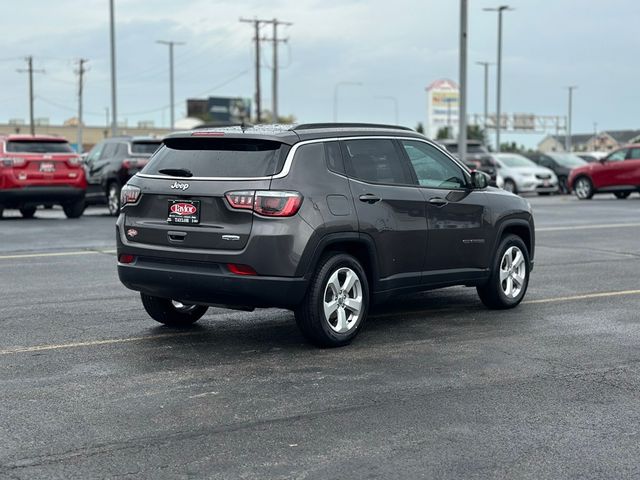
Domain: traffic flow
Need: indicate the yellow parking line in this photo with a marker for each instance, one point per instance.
(583, 297)
(55, 254)
(587, 227)
(114, 341)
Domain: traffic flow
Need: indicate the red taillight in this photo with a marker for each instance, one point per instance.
(129, 194)
(134, 162)
(126, 258)
(13, 162)
(239, 269)
(74, 161)
(268, 203)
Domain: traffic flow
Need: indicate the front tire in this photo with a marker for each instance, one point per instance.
(28, 212)
(113, 199)
(74, 209)
(509, 276)
(172, 313)
(336, 303)
(583, 188)
(622, 195)
(510, 186)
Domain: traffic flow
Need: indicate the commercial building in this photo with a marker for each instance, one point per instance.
(443, 98)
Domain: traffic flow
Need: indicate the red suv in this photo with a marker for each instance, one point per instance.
(617, 173)
(38, 170)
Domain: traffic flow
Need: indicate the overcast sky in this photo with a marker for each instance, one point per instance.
(395, 48)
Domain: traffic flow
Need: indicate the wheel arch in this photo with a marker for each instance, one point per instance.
(521, 228)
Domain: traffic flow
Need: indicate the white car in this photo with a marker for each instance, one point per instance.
(521, 175)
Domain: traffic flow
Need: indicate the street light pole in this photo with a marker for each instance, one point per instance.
(462, 105)
(486, 66)
(395, 105)
(112, 31)
(499, 9)
(335, 96)
(567, 138)
(171, 44)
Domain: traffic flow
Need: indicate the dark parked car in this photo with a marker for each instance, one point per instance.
(111, 163)
(40, 170)
(323, 219)
(477, 156)
(560, 163)
(617, 173)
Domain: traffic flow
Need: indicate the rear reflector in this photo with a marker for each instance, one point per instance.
(268, 203)
(239, 269)
(126, 258)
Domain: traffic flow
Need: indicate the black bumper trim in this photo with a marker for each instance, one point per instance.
(36, 195)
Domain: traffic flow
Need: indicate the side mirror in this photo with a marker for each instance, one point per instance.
(479, 180)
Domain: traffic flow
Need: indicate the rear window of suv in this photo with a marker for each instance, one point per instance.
(30, 146)
(228, 158)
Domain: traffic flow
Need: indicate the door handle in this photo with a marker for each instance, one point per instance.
(369, 198)
(438, 202)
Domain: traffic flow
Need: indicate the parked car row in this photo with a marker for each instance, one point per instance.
(44, 170)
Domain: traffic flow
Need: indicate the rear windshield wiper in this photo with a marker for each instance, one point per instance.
(176, 172)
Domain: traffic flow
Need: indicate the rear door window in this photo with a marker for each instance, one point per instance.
(223, 158)
(376, 161)
(634, 154)
(144, 148)
(29, 146)
(432, 167)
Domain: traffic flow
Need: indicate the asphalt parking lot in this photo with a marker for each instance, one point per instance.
(435, 386)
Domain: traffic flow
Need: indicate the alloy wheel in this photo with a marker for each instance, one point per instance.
(583, 188)
(113, 201)
(513, 272)
(342, 300)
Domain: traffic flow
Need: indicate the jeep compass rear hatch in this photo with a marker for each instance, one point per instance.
(198, 193)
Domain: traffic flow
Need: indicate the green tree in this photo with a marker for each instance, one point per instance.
(474, 132)
(443, 133)
(420, 128)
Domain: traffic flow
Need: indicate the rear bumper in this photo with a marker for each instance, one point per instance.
(209, 284)
(14, 197)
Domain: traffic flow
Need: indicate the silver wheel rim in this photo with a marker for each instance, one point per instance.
(342, 301)
(113, 199)
(509, 186)
(583, 188)
(182, 307)
(513, 272)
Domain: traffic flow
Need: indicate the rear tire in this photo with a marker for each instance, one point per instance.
(583, 188)
(172, 313)
(622, 195)
(28, 212)
(509, 275)
(510, 186)
(113, 199)
(74, 209)
(336, 303)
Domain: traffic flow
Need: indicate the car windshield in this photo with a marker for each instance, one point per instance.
(38, 146)
(567, 160)
(516, 161)
(145, 148)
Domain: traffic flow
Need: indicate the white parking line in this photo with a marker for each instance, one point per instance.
(114, 341)
(588, 227)
(55, 254)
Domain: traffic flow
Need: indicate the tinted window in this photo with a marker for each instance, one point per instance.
(432, 167)
(109, 150)
(219, 157)
(21, 146)
(145, 148)
(635, 154)
(334, 157)
(617, 156)
(95, 152)
(376, 161)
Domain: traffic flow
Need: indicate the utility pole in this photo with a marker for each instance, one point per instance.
(30, 71)
(567, 138)
(81, 71)
(499, 9)
(462, 106)
(486, 93)
(112, 35)
(171, 44)
(256, 37)
(274, 79)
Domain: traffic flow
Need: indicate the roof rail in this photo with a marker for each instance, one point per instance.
(312, 126)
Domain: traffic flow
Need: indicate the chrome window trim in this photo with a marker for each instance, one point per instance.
(289, 160)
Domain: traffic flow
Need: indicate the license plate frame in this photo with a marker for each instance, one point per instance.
(47, 167)
(174, 217)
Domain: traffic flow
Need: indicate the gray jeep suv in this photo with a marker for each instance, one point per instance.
(323, 219)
